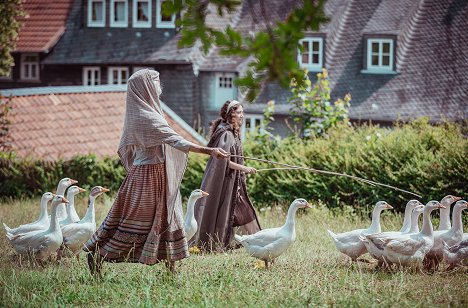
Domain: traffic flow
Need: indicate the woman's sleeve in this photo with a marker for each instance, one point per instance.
(168, 136)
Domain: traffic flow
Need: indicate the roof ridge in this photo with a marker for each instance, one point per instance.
(336, 32)
(409, 30)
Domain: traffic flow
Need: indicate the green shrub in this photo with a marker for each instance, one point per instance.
(425, 159)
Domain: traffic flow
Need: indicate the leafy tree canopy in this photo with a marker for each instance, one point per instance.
(272, 50)
(10, 11)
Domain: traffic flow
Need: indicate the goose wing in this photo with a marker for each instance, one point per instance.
(406, 246)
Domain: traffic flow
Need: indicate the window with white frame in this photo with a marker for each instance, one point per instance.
(30, 66)
(91, 76)
(117, 75)
(142, 13)
(163, 21)
(380, 55)
(252, 124)
(311, 55)
(224, 89)
(119, 13)
(96, 13)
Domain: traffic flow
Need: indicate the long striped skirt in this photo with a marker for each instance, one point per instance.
(136, 227)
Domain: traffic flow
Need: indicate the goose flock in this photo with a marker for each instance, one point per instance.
(409, 246)
(63, 233)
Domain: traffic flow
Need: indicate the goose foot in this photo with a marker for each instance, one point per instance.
(267, 265)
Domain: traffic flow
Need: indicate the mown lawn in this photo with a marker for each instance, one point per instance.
(311, 273)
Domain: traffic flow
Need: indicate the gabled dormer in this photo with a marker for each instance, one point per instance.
(379, 54)
(311, 54)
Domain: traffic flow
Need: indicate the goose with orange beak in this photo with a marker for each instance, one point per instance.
(190, 223)
(268, 244)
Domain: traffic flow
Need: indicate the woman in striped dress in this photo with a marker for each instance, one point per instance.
(145, 223)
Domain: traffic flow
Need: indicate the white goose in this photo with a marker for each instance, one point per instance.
(445, 212)
(190, 223)
(451, 237)
(41, 244)
(456, 255)
(349, 243)
(72, 216)
(61, 187)
(374, 242)
(268, 244)
(40, 224)
(410, 249)
(78, 233)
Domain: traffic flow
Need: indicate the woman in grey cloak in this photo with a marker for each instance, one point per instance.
(145, 222)
(228, 208)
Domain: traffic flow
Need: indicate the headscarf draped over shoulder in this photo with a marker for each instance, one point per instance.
(145, 126)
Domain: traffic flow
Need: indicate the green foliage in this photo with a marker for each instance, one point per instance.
(10, 11)
(5, 138)
(273, 49)
(312, 109)
(425, 159)
(428, 160)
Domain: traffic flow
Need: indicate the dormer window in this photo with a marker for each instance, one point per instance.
(142, 13)
(119, 13)
(96, 13)
(379, 58)
(163, 21)
(30, 67)
(311, 55)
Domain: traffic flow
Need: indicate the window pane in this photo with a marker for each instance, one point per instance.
(33, 70)
(315, 46)
(142, 11)
(119, 11)
(315, 59)
(305, 46)
(257, 122)
(124, 76)
(96, 77)
(305, 58)
(386, 60)
(375, 47)
(247, 124)
(386, 47)
(115, 77)
(97, 11)
(375, 60)
(164, 17)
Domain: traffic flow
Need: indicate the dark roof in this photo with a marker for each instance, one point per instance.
(84, 45)
(68, 121)
(431, 62)
(43, 24)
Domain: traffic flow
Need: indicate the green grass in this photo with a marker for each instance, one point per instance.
(311, 273)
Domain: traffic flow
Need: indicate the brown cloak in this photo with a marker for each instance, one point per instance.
(228, 205)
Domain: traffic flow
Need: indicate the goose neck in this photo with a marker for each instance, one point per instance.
(191, 206)
(427, 228)
(445, 218)
(291, 217)
(43, 214)
(407, 219)
(457, 219)
(54, 223)
(90, 215)
(375, 225)
(414, 223)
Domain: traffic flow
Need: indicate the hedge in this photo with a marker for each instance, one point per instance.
(428, 160)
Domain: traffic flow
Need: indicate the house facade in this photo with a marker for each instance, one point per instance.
(399, 59)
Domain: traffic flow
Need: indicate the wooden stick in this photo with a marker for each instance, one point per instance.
(292, 167)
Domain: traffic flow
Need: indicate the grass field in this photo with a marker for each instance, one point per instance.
(311, 273)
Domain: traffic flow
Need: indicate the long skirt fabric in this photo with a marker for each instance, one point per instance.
(136, 227)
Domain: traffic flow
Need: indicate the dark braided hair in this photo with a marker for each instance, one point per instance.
(225, 118)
